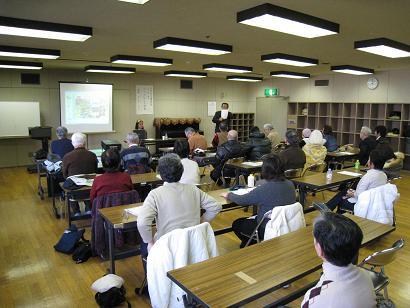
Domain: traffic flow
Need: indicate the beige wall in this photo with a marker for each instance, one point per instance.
(394, 87)
(169, 101)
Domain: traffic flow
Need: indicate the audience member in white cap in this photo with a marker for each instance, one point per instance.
(314, 150)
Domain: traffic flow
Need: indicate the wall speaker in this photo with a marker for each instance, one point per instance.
(30, 78)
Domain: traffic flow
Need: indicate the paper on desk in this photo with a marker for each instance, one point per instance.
(81, 181)
(135, 211)
(252, 163)
(242, 191)
(344, 153)
(350, 173)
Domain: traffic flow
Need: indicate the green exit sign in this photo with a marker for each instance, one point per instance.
(272, 92)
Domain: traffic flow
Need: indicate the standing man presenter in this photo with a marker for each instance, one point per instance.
(222, 116)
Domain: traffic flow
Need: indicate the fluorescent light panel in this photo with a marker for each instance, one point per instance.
(21, 65)
(24, 52)
(287, 74)
(384, 47)
(185, 74)
(191, 46)
(276, 18)
(137, 60)
(281, 58)
(109, 69)
(216, 67)
(135, 1)
(40, 29)
(244, 78)
(351, 69)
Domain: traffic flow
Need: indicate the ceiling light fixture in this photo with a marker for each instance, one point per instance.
(384, 47)
(351, 69)
(185, 74)
(200, 47)
(21, 65)
(281, 19)
(135, 1)
(137, 60)
(24, 52)
(244, 78)
(227, 68)
(287, 74)
(40, 29)
(281, 58)
(109, 69)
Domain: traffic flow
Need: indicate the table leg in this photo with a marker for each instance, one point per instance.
(110, 230)
(53, 196)
(237, 174)
(302, 195)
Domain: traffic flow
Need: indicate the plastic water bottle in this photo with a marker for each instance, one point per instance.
(251, 180)
(329, 174)
(357, 164)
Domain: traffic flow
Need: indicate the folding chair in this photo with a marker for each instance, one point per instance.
(293, 173)
(378, 260)
(255, 233)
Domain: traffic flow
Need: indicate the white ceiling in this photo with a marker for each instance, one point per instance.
(130, 29)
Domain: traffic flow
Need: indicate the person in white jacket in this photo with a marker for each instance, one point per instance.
(337, 240)
(374, 177)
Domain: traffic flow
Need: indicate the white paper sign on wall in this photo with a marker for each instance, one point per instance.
(144, 99)
(211, 109)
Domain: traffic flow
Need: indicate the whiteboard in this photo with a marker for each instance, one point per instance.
(17, 117)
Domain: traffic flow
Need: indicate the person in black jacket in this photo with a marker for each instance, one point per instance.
(293, 156)
(383, 143)
(366, 145)
(217, 119)
(230, 149)
(257, 144)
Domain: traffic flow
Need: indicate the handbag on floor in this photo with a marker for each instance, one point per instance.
(110, 291)
(82, 253)
(69, 240)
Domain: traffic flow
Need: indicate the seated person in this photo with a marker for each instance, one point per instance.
(135, 159)
(366, 145)
(331, 142)
(191, 169)
(62, 145)
(383, 143)
(292, 157)
(257, 145)
(305, 135)
(173, 205)
(79, 160)
(113, 180)
(230, 149)
(275, 190)
(314, 150)
(222, 136)
(374, 177)
(140, 130)
(195, 140)
(271, 134)
(337, 240)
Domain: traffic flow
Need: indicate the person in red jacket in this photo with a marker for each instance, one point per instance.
(112, 180)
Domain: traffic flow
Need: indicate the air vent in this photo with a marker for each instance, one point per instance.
(27, 78)
(186, 84)
(322, 83)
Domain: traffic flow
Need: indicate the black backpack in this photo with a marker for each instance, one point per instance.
(82, 253)
(111, 298)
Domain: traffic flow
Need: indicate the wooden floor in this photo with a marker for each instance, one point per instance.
(32, 274)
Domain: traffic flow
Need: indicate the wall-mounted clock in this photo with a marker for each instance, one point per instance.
(372, 83)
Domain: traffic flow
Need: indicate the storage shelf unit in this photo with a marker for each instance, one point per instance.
(242, 123)
(347, 119)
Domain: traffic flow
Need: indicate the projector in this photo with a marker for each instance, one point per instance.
(108, 144)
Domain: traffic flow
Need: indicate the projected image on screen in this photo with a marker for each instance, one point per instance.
(86, 107)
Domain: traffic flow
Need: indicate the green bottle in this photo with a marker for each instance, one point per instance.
(357, 164)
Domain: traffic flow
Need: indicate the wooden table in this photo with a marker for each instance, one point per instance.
(244, 275)
(145, 179)
(338, 157)
(245, 168)
(318, 182)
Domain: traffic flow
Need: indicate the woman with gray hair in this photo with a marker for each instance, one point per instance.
(62, 145)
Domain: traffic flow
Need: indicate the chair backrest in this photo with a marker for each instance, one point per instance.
(293, 173)
(279, 147)
(386, 256)
(316, 168)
